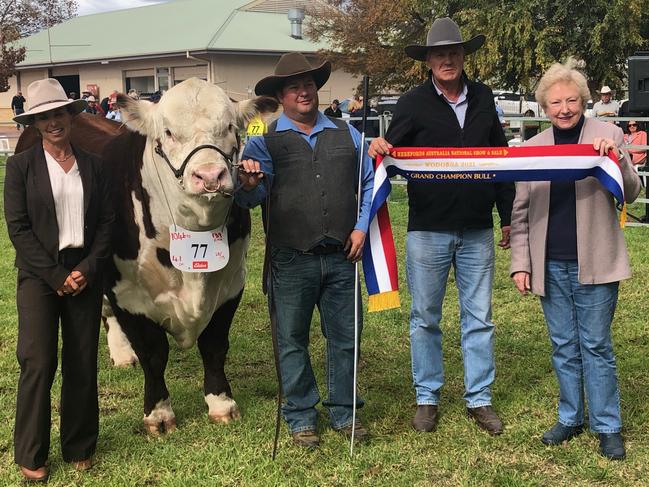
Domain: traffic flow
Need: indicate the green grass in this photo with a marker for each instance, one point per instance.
(239, 454)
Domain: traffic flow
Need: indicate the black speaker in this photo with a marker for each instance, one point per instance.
(639, 82)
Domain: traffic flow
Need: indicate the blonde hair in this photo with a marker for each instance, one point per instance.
(562, 73)
(354, 105)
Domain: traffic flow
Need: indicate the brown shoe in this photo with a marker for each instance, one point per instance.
(307, 439)
(40, 474)
(361, 435)
(426, 418)
(82, 465)
(487, 419)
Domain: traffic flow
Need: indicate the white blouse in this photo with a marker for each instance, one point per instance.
(68, 201)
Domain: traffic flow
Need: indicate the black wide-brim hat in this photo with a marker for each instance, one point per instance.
(444, 32)
(289, 65)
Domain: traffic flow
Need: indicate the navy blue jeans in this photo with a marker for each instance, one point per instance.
(300, 283)
(579, 320)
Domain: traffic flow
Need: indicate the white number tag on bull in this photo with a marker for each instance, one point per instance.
(199, 251)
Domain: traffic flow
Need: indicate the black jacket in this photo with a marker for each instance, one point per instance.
(422, 118)
(31, 215)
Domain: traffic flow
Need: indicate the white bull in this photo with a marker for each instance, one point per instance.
(174, 169)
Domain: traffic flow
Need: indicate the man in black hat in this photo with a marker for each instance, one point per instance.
(308, 166)
(333, 110)
(450, 223)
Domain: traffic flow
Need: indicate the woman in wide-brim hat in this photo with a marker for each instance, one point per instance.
(59, 219)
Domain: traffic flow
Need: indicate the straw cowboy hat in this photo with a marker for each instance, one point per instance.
(444, 32)
(292, 64)
(605, 89)
(45, 95)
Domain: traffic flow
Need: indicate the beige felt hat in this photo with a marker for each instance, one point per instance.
(44, 95)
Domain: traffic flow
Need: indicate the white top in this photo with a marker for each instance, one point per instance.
(459, 106)
(114, 115)
(68, 201)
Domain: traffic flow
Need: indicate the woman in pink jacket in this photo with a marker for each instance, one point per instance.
(567, 247)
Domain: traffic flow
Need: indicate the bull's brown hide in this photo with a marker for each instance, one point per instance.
(89, 132)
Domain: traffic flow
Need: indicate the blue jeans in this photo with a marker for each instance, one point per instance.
(300, 283)
(579, 320)
(429, 256)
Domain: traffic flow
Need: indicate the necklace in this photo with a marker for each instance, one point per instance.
(64, 159)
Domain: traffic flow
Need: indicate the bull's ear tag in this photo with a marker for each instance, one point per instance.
(199, 251)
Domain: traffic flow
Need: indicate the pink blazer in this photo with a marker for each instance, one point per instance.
(601, 251)
(639, 138)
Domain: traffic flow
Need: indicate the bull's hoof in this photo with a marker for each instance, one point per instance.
(222, 408)
(161, 420)
(232, 415)
(125, 362)
(159, 428)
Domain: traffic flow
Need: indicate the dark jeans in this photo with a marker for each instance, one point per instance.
(300, 283)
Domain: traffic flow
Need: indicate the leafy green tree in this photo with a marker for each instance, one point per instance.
(523, 37)
(19, 18)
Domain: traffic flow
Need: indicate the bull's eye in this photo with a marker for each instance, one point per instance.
(230, 127)
(168, 133)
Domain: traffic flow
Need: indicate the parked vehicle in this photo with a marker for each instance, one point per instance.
(515, 104)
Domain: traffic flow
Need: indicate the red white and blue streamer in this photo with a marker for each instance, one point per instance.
(569, 162)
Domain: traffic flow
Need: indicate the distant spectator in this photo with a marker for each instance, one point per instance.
(333, 110)
(93, 107)
(114, 113)
(155, 97)
(606, 106)
(133, 94)
(635, 136)
(372, 126)
(625, 111)
(105, 103)
(18, 106)
(72, 95)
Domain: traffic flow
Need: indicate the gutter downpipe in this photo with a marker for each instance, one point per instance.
(210, 74)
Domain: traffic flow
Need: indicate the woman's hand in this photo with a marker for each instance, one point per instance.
(604, 145)
(522, 282)
(74, 284)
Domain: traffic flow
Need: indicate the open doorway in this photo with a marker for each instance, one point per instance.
(70, 84)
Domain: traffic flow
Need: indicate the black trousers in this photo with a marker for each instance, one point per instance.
(39, 311)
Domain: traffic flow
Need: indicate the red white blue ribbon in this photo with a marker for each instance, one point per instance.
(569, 162)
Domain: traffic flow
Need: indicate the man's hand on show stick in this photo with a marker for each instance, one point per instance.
(250, 174)
(354, 245)
(379, 146)
(504, 240)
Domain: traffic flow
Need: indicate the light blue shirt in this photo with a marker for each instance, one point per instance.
(256, 149)
(459, 106)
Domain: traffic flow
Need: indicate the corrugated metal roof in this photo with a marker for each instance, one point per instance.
(172, 27)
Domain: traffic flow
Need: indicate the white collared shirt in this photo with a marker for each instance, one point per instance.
(68, 201)
(459, 106)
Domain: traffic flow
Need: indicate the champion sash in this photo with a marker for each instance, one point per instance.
(569, 162)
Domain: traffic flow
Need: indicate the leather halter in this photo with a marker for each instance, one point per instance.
(229, 159)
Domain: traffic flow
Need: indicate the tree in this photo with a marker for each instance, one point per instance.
(19, 18)
(523, 37)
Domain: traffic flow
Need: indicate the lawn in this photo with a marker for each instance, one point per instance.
(202, 454)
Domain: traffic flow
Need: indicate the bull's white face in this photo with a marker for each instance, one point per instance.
(191, 114)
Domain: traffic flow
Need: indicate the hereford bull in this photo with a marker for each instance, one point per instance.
(178, 172)
(173, 168)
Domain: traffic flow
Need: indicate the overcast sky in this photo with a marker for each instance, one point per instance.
(94, 6)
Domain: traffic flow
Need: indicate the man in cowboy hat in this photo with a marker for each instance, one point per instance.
(606, 107)
(308, 166)
(450, 223)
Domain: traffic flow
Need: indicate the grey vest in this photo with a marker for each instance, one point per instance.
(313, 196)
